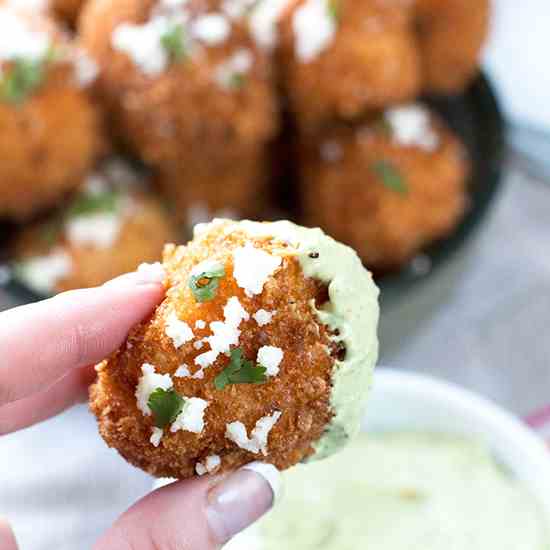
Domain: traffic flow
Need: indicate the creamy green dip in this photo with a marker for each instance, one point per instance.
(401, 492)
(352, 312)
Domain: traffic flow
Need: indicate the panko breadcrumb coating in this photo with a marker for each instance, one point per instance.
(451, 34)
(235, 187)
(108, 228)
(387, 187)
(180, 79)
(50, 130)
(340, 58)
(262, 349)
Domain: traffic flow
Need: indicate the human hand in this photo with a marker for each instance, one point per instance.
(47, 353)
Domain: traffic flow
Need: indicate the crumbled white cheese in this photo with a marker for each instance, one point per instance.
(99, 230)
(30, 5)
(331, 151)
(212, 28)
(263, 317)
(143, 44)
(224, 333)
(182, 371)
(211, 464)
(236, 432)
(234, 312)
(314, 28)
(147, 384)
(199, 375)
(86, 69)
(236, 67)
(42, 273)
(19, 41)
(236, 9)
(171, 4)
(156, 436)
(179, 331)
(191, 418)
(206, 266)
(154, 273)
(200, 324)
(198, 344)
(270, 357)
(411, 126)
(264, 19)
(253, 267)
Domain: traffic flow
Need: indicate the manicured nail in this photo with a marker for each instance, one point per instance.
(241, 499)
(145, 274)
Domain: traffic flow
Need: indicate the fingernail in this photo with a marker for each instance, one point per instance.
(144, 274)
(241, 499)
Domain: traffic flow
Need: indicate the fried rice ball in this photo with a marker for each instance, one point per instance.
(67, 10)
(387, 187)
(108, 228)
(340, 58)
(183, 82)
(235, 187)
(50, 129)
(262, 349)
(451, 34)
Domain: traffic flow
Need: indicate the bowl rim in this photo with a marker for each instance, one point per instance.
(452, 409)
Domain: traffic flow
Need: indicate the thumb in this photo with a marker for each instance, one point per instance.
(7, 539)
(199, 514)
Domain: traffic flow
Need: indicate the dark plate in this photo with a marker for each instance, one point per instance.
(477, 119)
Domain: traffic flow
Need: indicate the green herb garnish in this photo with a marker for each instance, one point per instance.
(333, 7)
(390, 176)
(240, 371)
(24, 77)
(87, 204)
(173, 41)
(237, 81)
(205, 285)
(165, 405)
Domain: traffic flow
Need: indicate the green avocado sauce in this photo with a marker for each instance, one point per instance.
(401, 492)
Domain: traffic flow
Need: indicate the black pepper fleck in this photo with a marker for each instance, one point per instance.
(314, 255)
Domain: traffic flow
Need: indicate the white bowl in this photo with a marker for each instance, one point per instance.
(412, 402)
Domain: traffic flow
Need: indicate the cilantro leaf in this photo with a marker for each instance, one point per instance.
(165, 405)
(237, 81)
(173, 41)
(24, 77)
(240, 371)
(333, 7)
(87, 204)
(390, 176)
(205, 285)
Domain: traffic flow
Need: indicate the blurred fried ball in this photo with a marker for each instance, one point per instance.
(340, 58)
(50, 128)
(386, 187)
(108, 228)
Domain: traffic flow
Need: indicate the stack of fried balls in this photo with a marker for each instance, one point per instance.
(123, 123)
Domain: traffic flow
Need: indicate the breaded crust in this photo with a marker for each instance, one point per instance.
(451, 34)
(162, 117)
(300, 391)
(344, 192)
(371, 62)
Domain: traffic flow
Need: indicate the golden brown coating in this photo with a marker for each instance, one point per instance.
(191, 101)
(451, 34)
(383, 198)
(96, 252)
(300, 391)
(67, 10)
(371, 62)
(233, 187)
(48, 140)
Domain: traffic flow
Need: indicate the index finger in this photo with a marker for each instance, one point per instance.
(40, 343)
